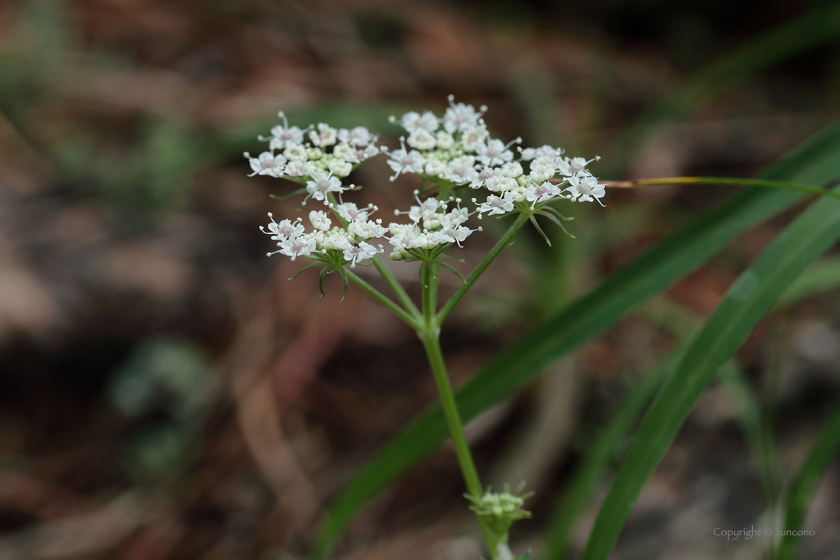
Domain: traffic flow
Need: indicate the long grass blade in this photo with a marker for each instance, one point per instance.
(822, 277)
(596, 462)
(802, 490)
(741, 309)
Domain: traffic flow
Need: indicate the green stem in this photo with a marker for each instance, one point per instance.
(482, 266)
(430, 289)
(723, 181)
(431, 343)
(383, 269)
(395, 285)
(412, 319)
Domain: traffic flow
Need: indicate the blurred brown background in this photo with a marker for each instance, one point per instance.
(166, 393)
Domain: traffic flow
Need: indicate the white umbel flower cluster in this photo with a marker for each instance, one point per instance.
(350, 244)
(452, 151)
(458, 149)
(315, 155)
(432, 225)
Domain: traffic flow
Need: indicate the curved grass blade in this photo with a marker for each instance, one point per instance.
(598, 458)
(592, 470)
(818, 461)
(749, 411)
(757, 431)
(745, 304)
(815, 163)
(823, 276)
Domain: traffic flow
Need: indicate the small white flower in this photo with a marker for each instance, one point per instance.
(298, 246)
(403, 161)
(569, 167)
(320, 220)
(335, 240)
(340, 168)
(412, 121)
(445, 140)
(366, 229)
(472, 139)
(404, 236)
(461, 117)
(295, 169)
(357, 251)
(359, 136)
(541, 170)
(368, 152)
(495, 205)
(321, 184)
(426, 211)
(325, 135)
(426, 240)
(295, 152)
(281, 135)
(541, 193)
(351, 212)
(346, 152)
(421, 139)
(512, 170)
(461, 170)
(455, 234)
(455, 217)
(482, 175)
(312, 168)
(267, 164)
(547, 152)
(283, 230)
(500, 184)
(494, 152)
(435, 167)
(585, 189)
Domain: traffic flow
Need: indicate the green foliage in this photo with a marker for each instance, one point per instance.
(744, 305)
(799, 496)
(598, 457)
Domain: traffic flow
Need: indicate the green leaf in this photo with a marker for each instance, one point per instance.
(299, 272)
(454, 271)
(754, 420)
(818, 461)
(757, 427)
(823, 276)
(295, 192)
(745, 304)
(816, 163)
(597, 459)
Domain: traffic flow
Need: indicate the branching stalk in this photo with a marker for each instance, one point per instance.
(482, 266)
(411, 319)
(808, 189)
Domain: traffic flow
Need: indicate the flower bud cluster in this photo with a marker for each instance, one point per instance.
(458, 149)
(314, 154)
(500, 509)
